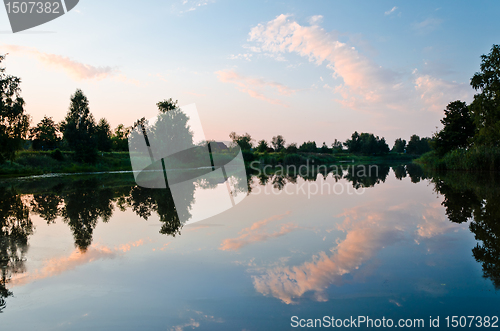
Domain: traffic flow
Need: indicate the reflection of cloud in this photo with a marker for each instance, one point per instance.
(191, 324)
(253, 233)
(253, 85)
(367, 232)
(365, 238)
(77, 70)
(57, 266)
(126, 247)
(435, 222)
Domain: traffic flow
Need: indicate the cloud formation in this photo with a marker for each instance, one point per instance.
(77, 70)
(363, 240)
(254, 233)
(368, 231)
(255, 86)
(364, 85)
(389, 12)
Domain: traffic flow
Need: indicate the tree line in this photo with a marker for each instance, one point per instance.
(359, 143)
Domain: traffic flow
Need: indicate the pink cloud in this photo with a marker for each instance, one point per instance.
(254, 233)
(365, 85)
(251, 86)
(362, 242)
(77, 70)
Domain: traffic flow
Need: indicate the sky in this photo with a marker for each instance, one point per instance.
(306, 70)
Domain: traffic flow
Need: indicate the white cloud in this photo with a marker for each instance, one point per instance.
(255, 86)
(364, 85)
(75, 69)
(428, 25)
(389, 12)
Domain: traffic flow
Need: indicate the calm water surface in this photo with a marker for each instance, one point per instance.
(98, 252)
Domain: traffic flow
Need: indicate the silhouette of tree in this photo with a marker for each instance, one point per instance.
(15, 229)
(79, 128)
(476, 197)
(486, 105)
(262, 146)
(458, 128)
(47, 206)
(45, 135)
(103, 135)
(278, 143)
(399, 146)
(82, 208)
(14, 123)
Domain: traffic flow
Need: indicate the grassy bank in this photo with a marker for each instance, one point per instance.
(29, 163)
(473, 159)
(38, 163)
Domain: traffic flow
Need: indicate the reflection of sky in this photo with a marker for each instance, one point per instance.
(390, 251)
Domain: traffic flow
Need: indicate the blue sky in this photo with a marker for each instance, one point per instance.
(309, 71)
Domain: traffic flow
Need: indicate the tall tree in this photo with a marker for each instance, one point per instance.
(103, 135)
(45, 135)
(486, 105)
(458, 128)
(79, 128)
(262, 146)
(399, 146)
(244, 141)
(418, 146)
(278, 143)
(119, 138)
(14, 123)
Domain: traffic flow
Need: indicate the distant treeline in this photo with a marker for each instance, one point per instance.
(359, 144)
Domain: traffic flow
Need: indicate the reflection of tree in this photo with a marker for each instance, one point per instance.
(145, 201)
(47, 206)
(399, 171)
(367, 175)
(15, 228)
(82, 208)
(476, 196)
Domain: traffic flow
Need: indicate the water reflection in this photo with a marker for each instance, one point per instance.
(82, 203)
(15, 229)
(475, 197)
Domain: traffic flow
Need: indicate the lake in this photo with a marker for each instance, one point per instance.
(98, 252)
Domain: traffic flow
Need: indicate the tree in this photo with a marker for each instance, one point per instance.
(337, 146)
(458, 128)
(278, 143)
(167, 105)
(244, 141)
(418, 146)
(120, 138)
(262, 146)
(308, 147)
(45, 135)
(79, 128)
(367, 144)
(486, 105)
(324, 149)
(14, 123)
(292, 148)
(399, 146)
(103, 135)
